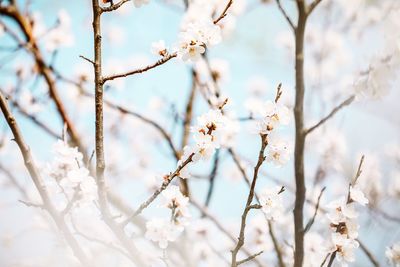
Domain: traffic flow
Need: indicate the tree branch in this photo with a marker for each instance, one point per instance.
(312, 6)
(248, 207)
(141, 70)
(345, 103)
(164, 185)
(39, 184)
(368, 253)
(286, 15)
(252, 257)
(311, 221)
(299, 135)
(224, 12)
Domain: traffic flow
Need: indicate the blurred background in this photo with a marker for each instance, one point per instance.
(344, 39)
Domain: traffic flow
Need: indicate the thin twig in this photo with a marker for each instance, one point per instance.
(311, 221)
(286, 15)
(240, 243)
(368, 253)
(312, 6)
(141, 70)
(87, 59)
(252, 257)
(345, 103)
(224, 12)
(164, 185)
(39, 184)
(213, 174)
(206, 213)
(114, 7)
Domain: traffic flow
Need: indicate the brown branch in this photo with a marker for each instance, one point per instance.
(332, 259)
(271, 231)
(206, 213)
(240, 243)
(114, 6)
(35, 120)
(153, 123)
(14, 181)
(141, 70)
(313, 5)
(44, 70)
(164, 185)
(87, 59)
(359, 170)
(311, 221)
(368, 253)
(345, 103)
(286, 15)
(250, 258)
(39, 184)
(299, 135)
(211, 179)
(186, 126)
(224, 12)
(99, 129)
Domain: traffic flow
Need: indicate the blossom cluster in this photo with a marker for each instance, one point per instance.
(209, 134)
(344, 225)
(70, 176)
(164, 230)
(273, 115)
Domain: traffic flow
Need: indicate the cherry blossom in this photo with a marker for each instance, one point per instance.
(271, 202)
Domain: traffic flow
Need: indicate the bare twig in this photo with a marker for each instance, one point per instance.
(220, 226)
(313, 5)
(311, 221)
(345, 103)
(224, 12)
(114, 6)
(167, 180)
(368, 253)
(186, 126)
(300, 135)
(213, 174)
(332, 259)
(141, 70)
(252, 257)
(359, 170)
(99, 139)
(286, 15)
(240, 243)
(13, 12)
(39, 184)
(87, 59)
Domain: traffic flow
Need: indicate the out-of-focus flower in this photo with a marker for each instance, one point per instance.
(393, 254)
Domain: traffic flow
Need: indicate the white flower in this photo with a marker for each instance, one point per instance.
(358, 196)
(195, 37)
(340, 210)
(278, 151)
(204, 148)
(139, 3)
(393, 254)
(271, 203)
(345, 248)
(158, 48)
(173, 199)
(189, 48)
(274, 115)
(162, 231)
